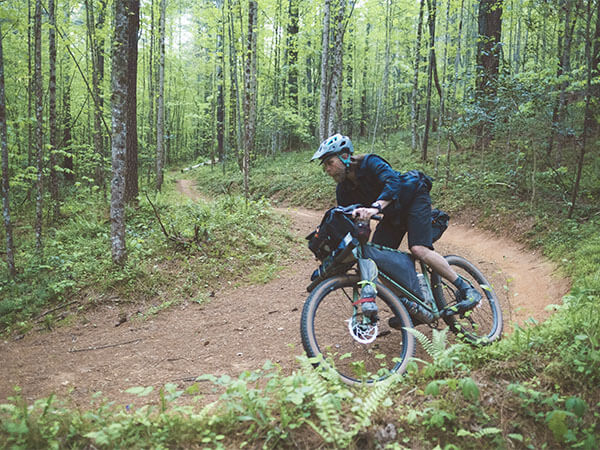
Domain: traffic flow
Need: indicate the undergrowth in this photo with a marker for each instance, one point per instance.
(186, 264)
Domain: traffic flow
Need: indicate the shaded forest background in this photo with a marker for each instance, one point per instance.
(98, 97)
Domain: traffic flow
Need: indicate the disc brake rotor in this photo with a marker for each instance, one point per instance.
(365, 333)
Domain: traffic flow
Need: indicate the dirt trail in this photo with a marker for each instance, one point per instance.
(239, 328)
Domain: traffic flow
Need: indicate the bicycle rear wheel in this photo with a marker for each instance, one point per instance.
(324, 330)
(484, 323)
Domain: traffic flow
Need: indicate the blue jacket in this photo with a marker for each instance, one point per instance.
(376, 180)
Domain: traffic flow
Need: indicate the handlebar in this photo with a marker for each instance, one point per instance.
(349, 211)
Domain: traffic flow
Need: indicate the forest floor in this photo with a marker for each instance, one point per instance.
(108, 349)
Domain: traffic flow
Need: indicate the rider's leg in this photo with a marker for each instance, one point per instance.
(469, 297)
(420, 245)
(388, 234)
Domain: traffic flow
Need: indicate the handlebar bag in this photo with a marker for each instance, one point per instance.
(328, 235)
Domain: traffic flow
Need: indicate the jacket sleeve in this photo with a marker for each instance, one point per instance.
(386, 176)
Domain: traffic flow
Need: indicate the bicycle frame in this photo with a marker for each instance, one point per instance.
(404, 292)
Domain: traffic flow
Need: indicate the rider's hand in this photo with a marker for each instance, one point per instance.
(364, 213)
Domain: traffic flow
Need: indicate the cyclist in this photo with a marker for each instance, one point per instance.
(402, 198)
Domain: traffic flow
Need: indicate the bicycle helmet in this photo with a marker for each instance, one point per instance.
(334, 145)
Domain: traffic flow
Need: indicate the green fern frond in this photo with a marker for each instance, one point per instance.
(425, 342)
(365, 408)
(327, 409)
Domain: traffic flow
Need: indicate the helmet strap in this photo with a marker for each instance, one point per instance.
(346, 161)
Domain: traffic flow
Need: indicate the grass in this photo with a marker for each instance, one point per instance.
(187, 266)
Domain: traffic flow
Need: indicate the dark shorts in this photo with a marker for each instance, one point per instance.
(416, 221)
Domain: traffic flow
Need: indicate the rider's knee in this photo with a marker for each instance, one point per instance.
(419, 251)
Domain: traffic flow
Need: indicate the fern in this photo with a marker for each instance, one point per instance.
(443, 356)
(364, 408)
(328, 393)
(327, 407)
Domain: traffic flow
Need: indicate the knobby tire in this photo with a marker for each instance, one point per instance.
(483, 324)
(324, 331)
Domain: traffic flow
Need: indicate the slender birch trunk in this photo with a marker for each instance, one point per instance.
(324, 101)
(250, 93)
(10, 249)
(160, 114)
(414, 110)
(119, 133)
(52, 110)
(39, 117)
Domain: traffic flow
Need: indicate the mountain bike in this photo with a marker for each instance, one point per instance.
(364, 350)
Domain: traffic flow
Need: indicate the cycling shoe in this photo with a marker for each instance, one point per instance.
(468, 298)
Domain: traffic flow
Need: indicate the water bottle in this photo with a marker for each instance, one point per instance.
(425, 288)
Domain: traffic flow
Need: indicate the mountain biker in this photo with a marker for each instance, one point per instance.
(402, 198)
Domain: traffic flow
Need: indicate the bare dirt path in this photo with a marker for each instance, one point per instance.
(239, 329)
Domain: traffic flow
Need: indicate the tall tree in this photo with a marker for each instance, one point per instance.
(292, 45)
(337, 64)
(220, 85)
(160, 109)
(414, 103)
(324, 98)
(250, 92)
(96, 51)
(563, 71)
(67, 136)
(589, 121)
(52, 110)
(432, 9)
(131, 165)
(39, 117)
(119, 99)
(489, 21)
(10, 249)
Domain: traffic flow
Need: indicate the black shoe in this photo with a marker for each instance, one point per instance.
(468, 299)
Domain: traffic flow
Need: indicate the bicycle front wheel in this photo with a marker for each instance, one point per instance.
(324, 329)
(483, 324)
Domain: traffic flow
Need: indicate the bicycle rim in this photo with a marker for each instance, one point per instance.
(484, 323)
(325, 332)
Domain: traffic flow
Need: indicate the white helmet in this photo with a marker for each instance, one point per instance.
(334, 145)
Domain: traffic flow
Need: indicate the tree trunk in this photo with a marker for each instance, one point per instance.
(292, 45)
(594, 117)
(414, 110)
(151, 85)
(39, 117)
(10, 249)
(160, 113)
(220, 88)
(69, 173)
(98, 140)
(335, 89)
(432, 9)
(119, 99)
(564, 68)
(363, 92)
(324, 101)
(52, 110)
(250, 93)
(131, 165)
(488, 62)
(30, 87)
(234, 115)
